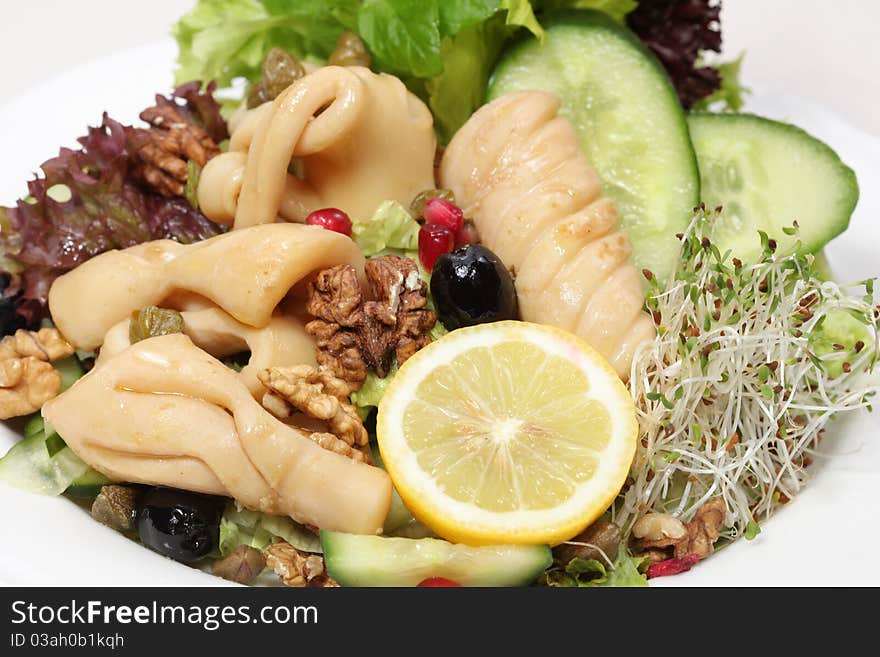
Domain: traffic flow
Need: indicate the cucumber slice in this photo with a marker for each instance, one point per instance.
(54, 443)
(29, 466)
(628, 118)
(362, 560)
(42, 463)
(88, 485)
(823, 267)
(70, 370)
(765, 174)
(34, 425)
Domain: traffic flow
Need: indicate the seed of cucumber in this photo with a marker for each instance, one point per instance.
(629, 121)
(766, 174)
(362, 560)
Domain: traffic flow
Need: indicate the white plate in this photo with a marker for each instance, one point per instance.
(827, 536)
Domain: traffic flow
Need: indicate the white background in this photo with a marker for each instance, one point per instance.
(820, 49)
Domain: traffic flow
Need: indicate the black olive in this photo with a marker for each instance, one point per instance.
(472, 286)
(178, 524)
(10, 320)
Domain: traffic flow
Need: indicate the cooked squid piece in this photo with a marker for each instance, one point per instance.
(282, 342)
(357, 139)
(517, 170)
(165, 412)
(247, 273)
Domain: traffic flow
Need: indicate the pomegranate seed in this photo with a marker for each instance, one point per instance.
(442, 212)
(672, 566)
(468, 235)
(434, 241)
(437, 582)
(331, 219)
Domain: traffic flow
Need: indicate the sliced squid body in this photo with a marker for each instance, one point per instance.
(247, 273)
(282, 342)
(358, 138)
(165, 412)
(517, 170)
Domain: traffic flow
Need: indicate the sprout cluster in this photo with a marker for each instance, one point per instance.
(749, 364)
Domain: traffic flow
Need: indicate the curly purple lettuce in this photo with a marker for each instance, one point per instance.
(86, 203)
(677, 31)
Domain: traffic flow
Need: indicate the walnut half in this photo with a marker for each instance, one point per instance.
(27, 379)
(161, 152)
(297, 569)
(321, 396)
(657, 533)
(355, 333)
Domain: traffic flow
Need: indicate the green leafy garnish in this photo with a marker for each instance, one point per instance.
(370, 394)
(224, 39)
(390, 227)
(731, 96)
(752, 530)
(626, 571)
(617, 9)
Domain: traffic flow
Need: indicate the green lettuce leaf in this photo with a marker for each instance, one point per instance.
(468, 60)
(469, 56)
(626, 571)
(390, 227)
(456, 15)
(521, 13)
(439, 330)
(225, 39)
(732, 94)
(443, 49)
(259, 530)
(411, 37)
(617, 9)
(403, 35)
(371, 393)
(221, 39)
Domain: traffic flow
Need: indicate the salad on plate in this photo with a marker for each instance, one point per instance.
(386, 293)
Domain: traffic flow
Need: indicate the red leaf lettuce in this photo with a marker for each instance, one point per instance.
(86, 203)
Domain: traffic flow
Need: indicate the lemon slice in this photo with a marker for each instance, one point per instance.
(507, 433)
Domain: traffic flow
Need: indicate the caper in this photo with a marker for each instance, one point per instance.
(280, 70)
(350, 51)
(257, 95)
(417, 207)
(151, 321)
